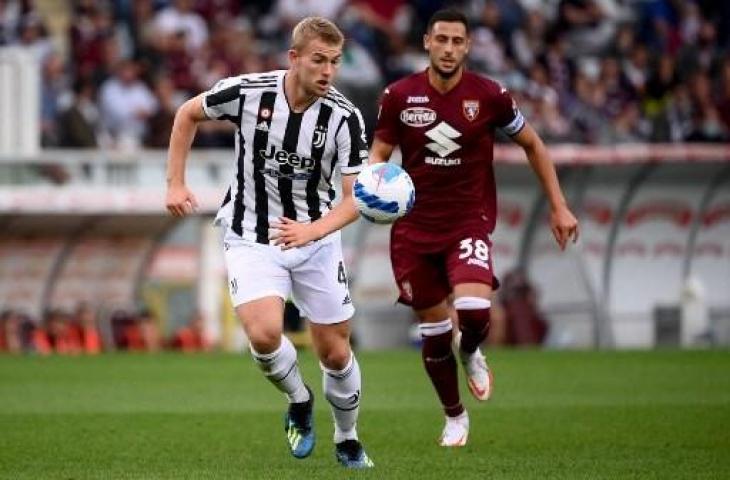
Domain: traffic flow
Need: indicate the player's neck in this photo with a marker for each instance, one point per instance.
(296, 97)
(444, 84)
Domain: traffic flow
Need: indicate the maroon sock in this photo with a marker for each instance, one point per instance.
(474, 326)
(440, 364)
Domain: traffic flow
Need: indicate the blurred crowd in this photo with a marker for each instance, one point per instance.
(590, 71)
(84, 331)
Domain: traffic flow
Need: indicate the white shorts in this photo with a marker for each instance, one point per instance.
(313, 276)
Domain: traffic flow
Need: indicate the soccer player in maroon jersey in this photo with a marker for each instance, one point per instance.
(444, 121)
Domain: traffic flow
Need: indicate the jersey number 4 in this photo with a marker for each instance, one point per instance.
(341, 276)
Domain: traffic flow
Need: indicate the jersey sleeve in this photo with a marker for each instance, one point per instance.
(352, 146)
(222, 102)
(508, 117)
(387, 126)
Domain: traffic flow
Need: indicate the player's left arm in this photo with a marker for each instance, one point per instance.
(294, 234)
(563, 223)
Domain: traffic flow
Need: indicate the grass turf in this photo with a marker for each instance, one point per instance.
(661, 414)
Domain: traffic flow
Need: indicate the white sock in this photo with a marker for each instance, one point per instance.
(342, 390)
(280, 367)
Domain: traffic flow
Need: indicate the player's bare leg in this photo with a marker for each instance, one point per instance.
(275, 355)
(471, 301)
(341, 382)
(438, 358)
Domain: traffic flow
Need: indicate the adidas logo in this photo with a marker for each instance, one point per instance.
(347, 300)
(262, 127)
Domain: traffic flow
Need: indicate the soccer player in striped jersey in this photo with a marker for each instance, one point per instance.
(296, 136)
(444, 120)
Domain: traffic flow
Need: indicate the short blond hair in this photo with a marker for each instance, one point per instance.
(315, 27)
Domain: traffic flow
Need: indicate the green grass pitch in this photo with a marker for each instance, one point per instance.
(662, 414)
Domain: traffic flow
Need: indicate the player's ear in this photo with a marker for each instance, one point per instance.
(425, 41)
(293, 56)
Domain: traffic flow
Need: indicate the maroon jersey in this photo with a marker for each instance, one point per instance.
(447, 145)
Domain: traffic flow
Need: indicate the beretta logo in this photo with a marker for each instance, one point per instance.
(417, 116)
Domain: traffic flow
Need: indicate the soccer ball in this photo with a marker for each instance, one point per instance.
(384, 192)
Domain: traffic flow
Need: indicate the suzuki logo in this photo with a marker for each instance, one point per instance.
(443, 136)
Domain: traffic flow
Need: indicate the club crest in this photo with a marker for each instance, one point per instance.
(320, 136)
(470, 109)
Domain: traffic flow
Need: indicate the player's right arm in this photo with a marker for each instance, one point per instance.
(179, 200)
(380, 151)
(386, 129)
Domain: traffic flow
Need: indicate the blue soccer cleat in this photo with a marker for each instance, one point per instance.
(299, 427)
(350, 454)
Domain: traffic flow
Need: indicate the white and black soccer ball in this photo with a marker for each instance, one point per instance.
(383, 192)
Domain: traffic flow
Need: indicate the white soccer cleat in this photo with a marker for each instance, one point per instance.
(478, 375)
(456, 431)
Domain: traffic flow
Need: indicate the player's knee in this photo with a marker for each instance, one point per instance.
(473, 313)
(264, 340)
(336, 357)
(436, 339)
(433, 314)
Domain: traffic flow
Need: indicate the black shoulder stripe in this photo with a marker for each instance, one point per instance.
(223, 96)
(353, 125)
(254, 78)
(343, 106)
(343, 99)
(253, 87)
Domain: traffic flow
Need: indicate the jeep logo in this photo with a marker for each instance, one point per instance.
(283, 157)
(417, 116)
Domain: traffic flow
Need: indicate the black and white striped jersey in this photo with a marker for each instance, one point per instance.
(286, 162)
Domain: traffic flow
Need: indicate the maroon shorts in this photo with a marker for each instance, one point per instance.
(427, 269)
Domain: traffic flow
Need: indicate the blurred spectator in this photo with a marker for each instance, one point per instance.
(724, 94)
(706, 122)
(160, 123)
(90, 30)
(528, 42)
(10, 12)
(658, 96)
(138, 333)
(57, 335)
(178, 18)
(143, 32)
(88, 331)
(191, 338)
(149, 331)
(177, 62)
(54, 93)
(126, 103)
(620, 70)
(77, 123)
(33, 35)
(523, 322)
(636, 68)
(16, 332)
(11, 340)
(125, 332)
(589, 24)
(290, 12)
(359, 74)
(381, 27)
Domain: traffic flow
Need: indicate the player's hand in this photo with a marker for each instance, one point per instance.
(564, 226)
(291, 234)
(180, 201)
